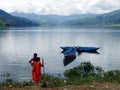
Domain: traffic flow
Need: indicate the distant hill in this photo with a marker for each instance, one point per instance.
(7, 20)
(111, 19)
(51, 19)
(104, 20)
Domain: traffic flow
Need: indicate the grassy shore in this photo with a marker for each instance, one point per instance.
(82, 77)
(94, 86)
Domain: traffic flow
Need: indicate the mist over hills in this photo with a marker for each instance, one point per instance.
(107, 19)
(51, 19)
(81, 20)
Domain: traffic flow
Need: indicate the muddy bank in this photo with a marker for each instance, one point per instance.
(94, 86)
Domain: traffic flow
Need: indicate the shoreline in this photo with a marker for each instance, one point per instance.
(85, 76)
(93, 86)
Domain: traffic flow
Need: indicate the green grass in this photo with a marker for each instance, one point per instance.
(52, 81)
(8, 83)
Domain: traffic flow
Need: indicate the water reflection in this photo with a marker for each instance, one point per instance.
(94, 52)
(67, 60)
(70, 53)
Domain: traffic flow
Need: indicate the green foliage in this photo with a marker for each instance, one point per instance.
(86, 73)
(99, 71)
(8, 83)
(83, 73)
(81, 80)
(54, 81)
(112, 76)
(8, 20)
(24, 83)
(2, 23)
(85, 68)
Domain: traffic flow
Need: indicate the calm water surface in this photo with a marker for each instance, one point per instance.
(17, 48)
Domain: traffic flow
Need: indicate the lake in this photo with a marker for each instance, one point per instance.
(18, 45)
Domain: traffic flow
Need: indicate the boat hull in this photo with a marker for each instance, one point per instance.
(87, 49)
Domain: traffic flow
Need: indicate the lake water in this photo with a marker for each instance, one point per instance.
(17, 48)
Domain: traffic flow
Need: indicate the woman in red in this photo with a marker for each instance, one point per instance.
(36, 68)
(34, 58)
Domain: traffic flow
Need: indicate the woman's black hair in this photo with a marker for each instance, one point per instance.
(37, 59)
(35, 55)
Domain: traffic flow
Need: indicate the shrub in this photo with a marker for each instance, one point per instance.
(84, 69)
(112, 76)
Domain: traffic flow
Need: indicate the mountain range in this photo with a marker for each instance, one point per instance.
(111, 19)
(81, 20)
(51, 19)
(7, 20)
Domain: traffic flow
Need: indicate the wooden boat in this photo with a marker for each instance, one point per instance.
(87, 49)
(80, 49)
(70, 51)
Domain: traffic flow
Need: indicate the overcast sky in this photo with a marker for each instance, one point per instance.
(60, 7)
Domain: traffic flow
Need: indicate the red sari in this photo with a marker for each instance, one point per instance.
(36, 72)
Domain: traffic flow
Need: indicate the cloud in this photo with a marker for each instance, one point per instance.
(61, 7)
(106, 6)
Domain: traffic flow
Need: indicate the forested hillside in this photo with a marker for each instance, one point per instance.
(7, 20)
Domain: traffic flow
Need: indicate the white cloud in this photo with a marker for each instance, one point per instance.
(61, 7)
